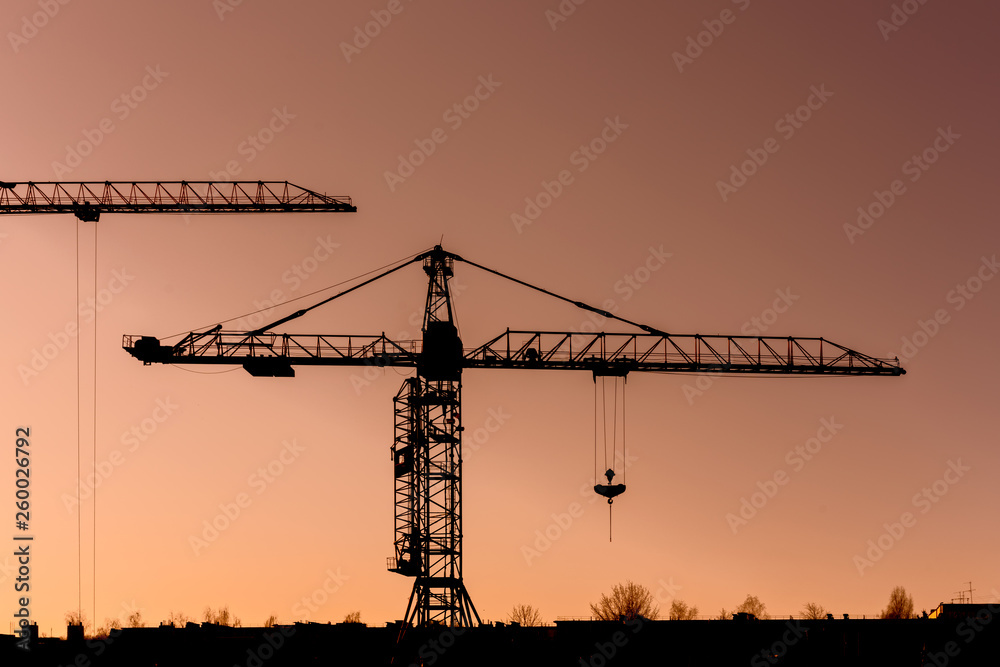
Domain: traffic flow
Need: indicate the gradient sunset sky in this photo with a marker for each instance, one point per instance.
(739, 138)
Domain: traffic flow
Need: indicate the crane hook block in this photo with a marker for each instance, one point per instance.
(609, 490)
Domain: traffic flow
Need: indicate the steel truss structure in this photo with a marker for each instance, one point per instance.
(87, 200)
(427, 448)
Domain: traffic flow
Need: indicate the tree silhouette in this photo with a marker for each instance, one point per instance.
(680, 611)
(353, 617)
(77, 618)
(813, 611)
(110, 625)
(753, 605)
(222, 616)
(900, 604)
(178, 619)
(271, 621)
(134, 619)
(628, 601)
(526, 615)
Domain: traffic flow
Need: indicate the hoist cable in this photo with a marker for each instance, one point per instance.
(614, 428)
(595, 430)
(94, 461)
(604, 418)
(79, 472)
(624, 422)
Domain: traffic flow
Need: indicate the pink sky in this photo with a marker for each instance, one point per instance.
(265, 91)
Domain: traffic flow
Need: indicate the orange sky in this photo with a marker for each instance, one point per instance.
(743, 158)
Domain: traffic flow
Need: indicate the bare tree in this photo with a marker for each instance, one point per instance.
(900, 604)
(724, 615)
(353, 617)
(134, 619)
(753, 605)
(680, 611)
(222, 616)
(110, 625)
(271, 621)
(77, 618)
(178, 619)
(526, 615)
(628, 600)
(813, 611)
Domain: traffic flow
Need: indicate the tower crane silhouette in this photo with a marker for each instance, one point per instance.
(426, 451)
(87, 200)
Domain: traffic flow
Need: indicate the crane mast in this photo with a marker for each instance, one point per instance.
(427, 465)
